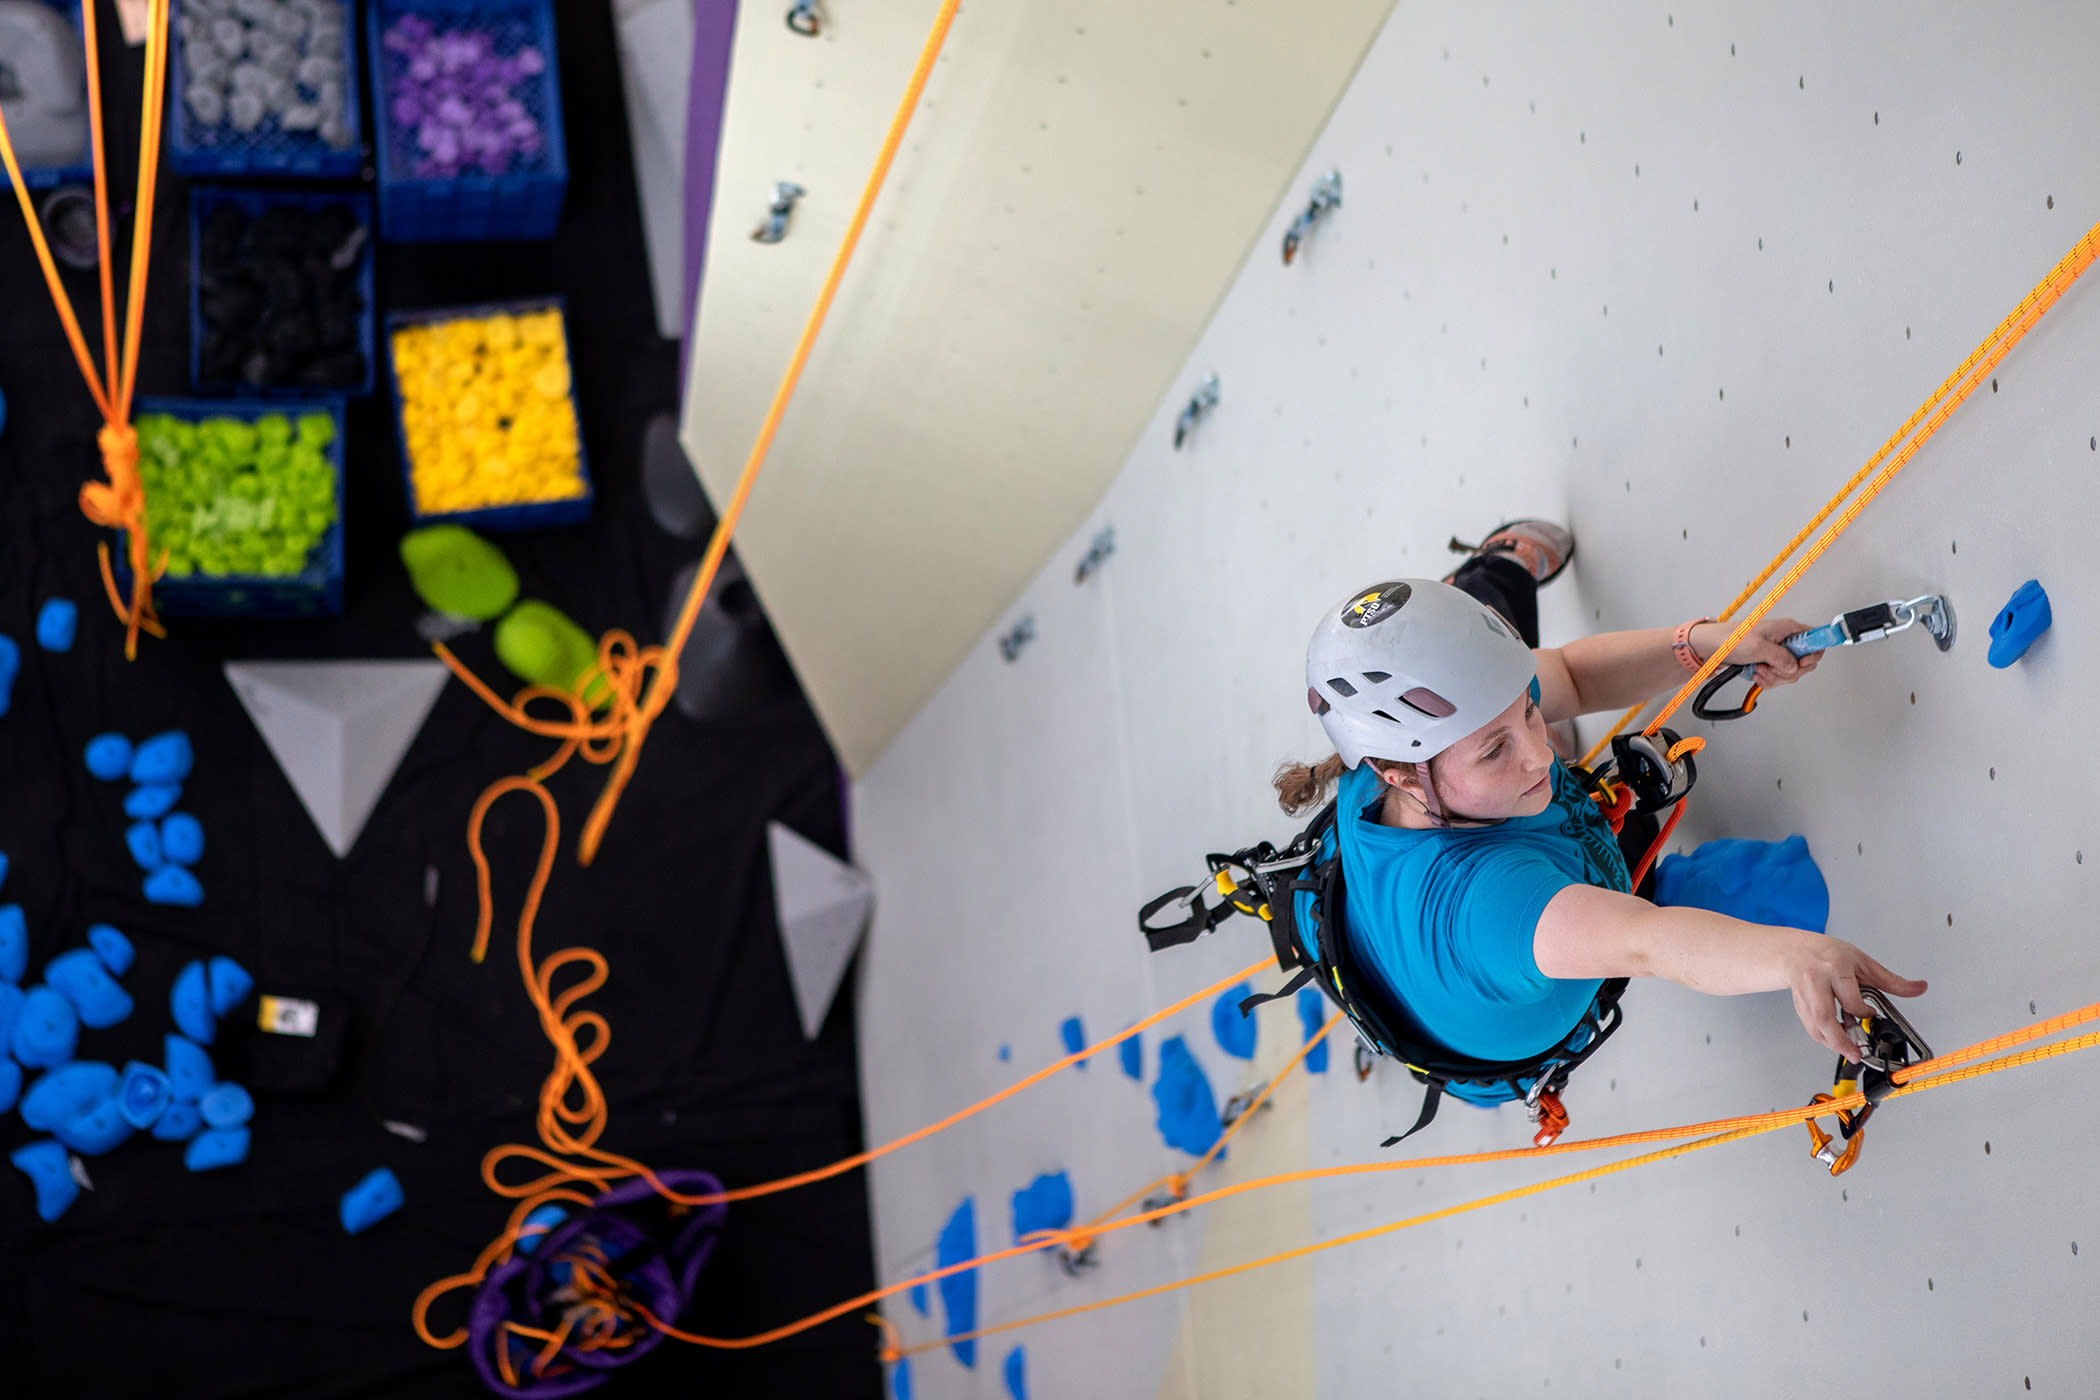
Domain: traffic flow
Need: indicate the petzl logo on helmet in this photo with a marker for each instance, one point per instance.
(1375, 605)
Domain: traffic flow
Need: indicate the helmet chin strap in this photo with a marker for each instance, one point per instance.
(1435, 809)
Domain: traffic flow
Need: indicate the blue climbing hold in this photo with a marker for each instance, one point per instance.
(1016, 1373)
(144, 1094)
(178, 1122)
(534, 1227)
(918, 1300)
(10, 667)
(2024, 617)
(109, 756)
(67, 1092)
(190, 1002)
(1235, 1032)
(1763, 882)
(152, 802)
(371, 1201)
(1006, 1052)
(96, 1131)
(958, 1242)
(10, 1083)
(189, 1069)
(14, 943)
(1188, 1111)
(46, 1030)
(12, 999)
(1043, 1204)
(218, 1148)
(226, 1106)
(112, 947)
(45, 1164)
(164, 758)
(1132, 1054)
(56, 622)
(171, 884)
(1312, 1014)
(80, 975)
(230, 984)
(144, 840)
(900, 1379)
(1075, 1038)
(181, 839)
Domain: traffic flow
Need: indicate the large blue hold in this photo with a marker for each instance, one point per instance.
(178, 1122)
(67, 1092)
(56, 623)
(171, 884)
(96, 1131)
(112, 947)
(230, 984)
(189, 1069)
(152, 802)
(957, 1243)
(181, 839)
(1015, 1373)
(1312, 1014)
(1761, 882)
(14, 943)
(210, 1150)
(190, 1002)
(370, 1201)
(2024, 617)
(1188, 1111)
(1075, 1038)
(10, 667)
(226, 1106)
(109, 756)
(164, 758)
(143, 839)
(1235, 1032)
(143, 1095)
(1132, 1053)
(80, 975)
(46, 1030)
(1043, 1204)
(45, 1164)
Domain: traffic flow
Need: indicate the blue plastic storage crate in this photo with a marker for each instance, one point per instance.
(269, 150)
(82, 171)
(572, 510)
(316, 590)
(525, 201)
(203, 200)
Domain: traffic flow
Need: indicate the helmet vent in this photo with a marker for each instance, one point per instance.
(1341, 685)
(1378, 677)
(1316, 702)
(1428, 702)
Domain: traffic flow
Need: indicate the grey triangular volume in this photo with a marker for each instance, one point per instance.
(823, 906)
(338, 729)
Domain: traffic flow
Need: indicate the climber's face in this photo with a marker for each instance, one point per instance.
(1502, 769)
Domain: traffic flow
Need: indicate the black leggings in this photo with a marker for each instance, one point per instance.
(1508, 587)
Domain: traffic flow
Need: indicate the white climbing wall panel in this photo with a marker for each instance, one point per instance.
(1651, 269)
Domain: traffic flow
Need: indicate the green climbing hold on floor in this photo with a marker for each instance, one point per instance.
(456, 571)
(542, 645)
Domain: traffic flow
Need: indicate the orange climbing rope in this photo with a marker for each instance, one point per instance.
(119, 503)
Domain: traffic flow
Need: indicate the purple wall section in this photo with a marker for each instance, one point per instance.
(714, 30)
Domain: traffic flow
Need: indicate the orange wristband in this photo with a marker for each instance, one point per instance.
(1682, 645)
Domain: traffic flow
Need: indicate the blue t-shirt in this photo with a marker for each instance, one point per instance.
(1445, 919)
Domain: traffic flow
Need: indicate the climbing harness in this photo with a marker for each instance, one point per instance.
(1887, 1043)
(1298, 890)
(1870, 624)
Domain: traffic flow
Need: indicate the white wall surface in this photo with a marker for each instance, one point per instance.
(1651, 270)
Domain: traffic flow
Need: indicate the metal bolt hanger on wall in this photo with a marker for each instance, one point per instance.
(775, 227)
(1096, 555)
(1017, 636)
(1326, 195)
(806, 18)
(1202, 401)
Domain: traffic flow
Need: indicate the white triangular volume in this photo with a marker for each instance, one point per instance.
(822, 904)
(337, 729)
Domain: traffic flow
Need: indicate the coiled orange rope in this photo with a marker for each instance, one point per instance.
(120, 502)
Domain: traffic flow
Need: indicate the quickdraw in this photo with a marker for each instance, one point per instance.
(1887, 1043)
(1870, 624)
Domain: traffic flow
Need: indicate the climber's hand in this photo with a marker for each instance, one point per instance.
(1827, 973)
(1774, 664)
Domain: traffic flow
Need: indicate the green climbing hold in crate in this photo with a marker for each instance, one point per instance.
(540, 644)
(230, 497)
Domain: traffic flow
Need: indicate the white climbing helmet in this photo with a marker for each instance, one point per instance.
(1404, 670)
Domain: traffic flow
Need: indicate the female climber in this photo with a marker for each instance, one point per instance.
(1486, 894)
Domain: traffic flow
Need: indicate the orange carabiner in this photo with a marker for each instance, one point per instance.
(1839, 1163)
(1551, 1116)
